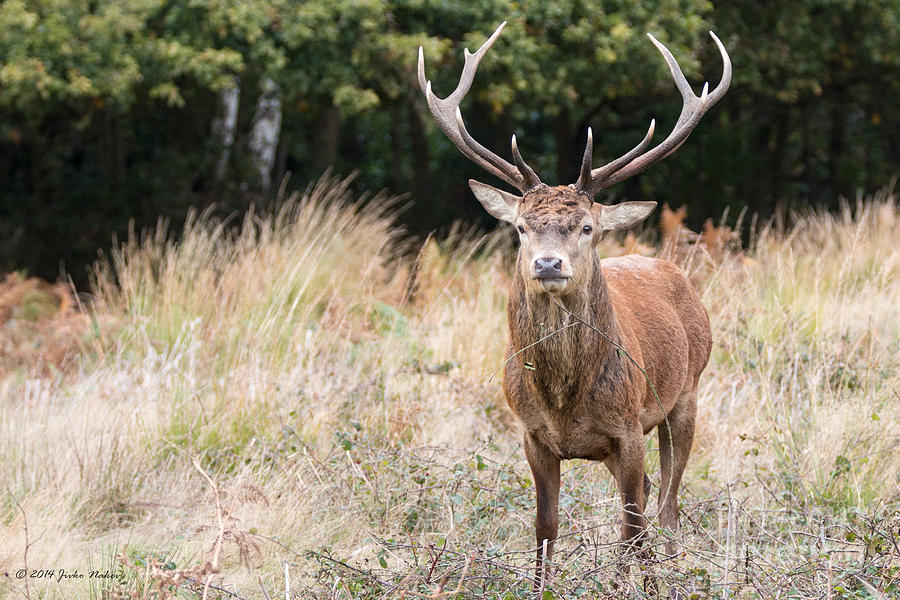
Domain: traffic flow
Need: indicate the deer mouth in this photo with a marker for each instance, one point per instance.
(553, 285)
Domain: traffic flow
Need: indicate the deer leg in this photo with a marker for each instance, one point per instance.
(631, 479)
(612, 464)
(545, 468)
(674, 450)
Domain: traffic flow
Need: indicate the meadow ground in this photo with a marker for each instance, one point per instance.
(285, 411)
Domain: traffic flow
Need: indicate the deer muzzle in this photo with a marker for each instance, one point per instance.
(552, 272)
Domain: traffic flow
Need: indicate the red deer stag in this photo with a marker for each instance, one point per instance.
(602, 351)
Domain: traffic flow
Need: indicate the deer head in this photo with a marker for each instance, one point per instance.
(559, 226)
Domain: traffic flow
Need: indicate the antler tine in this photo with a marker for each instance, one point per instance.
(531, 179)
(482, 156)
(720, 90)
(584, 177)
(469, 67)
(596, 178)
(527, 178)
(449, 119)
(692, 110)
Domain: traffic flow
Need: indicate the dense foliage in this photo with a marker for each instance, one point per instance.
(112, 111)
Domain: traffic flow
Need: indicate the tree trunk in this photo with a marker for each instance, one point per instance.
(265, 131)
(836, 149)
(398, 177)
(754, 186)
(806, 156)
(567, 165)
(107, 163)
(325, 138)
(281, 160)
(223, 126)
(777, 166)
(419, 144)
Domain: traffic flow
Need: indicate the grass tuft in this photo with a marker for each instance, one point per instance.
(299, 404)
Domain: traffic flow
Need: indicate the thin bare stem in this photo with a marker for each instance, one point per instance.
(535, 343)
(221, 523)
(27, 542)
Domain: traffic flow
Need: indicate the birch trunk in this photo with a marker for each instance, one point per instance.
(223, 127)
(265, 131)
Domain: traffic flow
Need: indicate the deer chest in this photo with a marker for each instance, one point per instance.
(572, 437)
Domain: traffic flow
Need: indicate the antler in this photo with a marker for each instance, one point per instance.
(592, 181)
(449, 118)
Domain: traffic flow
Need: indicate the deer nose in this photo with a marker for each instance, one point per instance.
(549, 266)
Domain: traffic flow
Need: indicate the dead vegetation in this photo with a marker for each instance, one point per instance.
(352, 443)
(40, 328)
(700, 254)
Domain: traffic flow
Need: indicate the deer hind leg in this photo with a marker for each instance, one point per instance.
(676, 436)
(545, 468)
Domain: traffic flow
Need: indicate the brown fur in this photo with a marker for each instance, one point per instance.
(578, 396)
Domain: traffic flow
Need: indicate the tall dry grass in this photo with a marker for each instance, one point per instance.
(293, 403)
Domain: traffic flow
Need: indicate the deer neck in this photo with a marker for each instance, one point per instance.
(563, 340)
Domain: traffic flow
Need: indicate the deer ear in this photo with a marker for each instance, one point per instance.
(500, 204)
(622, 215)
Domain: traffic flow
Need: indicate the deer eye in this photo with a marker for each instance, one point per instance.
(587, 229)
(521, 229)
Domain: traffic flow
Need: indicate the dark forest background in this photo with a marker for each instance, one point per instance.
(118, 112)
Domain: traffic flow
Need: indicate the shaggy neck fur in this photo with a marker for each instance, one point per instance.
(567, 363)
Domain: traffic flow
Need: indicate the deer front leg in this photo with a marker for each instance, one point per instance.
(545, 469)
(630, 478)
